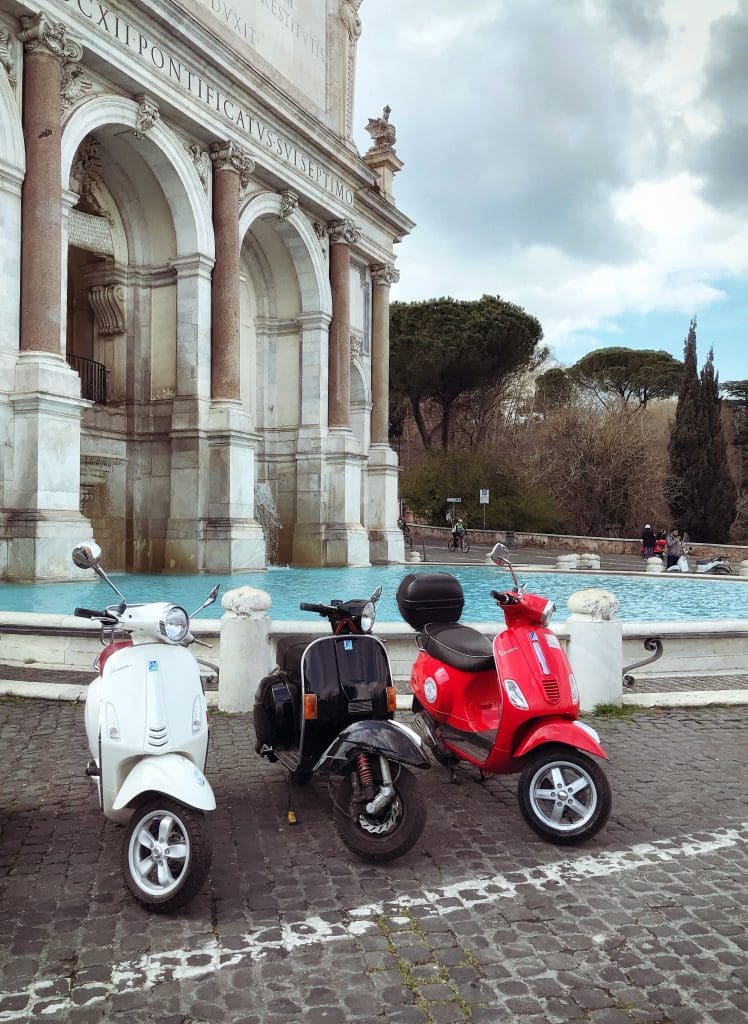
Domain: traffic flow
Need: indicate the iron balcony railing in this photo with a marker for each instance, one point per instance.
(93, 378)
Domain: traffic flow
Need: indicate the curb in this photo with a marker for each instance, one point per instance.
(677, 699)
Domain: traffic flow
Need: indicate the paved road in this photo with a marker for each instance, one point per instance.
(482, 922)
(437, 551)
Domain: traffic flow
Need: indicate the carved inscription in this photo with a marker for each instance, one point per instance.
(156, 55)
(90, 232)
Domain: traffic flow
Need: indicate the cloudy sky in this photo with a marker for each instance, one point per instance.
(586, 159)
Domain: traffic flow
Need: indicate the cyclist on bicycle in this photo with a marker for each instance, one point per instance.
(458, 531)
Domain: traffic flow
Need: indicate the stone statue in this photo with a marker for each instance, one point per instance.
(349, 17)
(383, 134)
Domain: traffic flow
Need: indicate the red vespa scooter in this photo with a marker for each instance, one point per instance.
(510, 707)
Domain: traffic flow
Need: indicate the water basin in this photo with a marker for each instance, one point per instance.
(642, 598)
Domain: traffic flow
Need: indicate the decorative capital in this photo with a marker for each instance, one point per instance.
(343, 231)
(40, 35)
(289, 203)
(227, 156)
(147, 115)
(384, 274)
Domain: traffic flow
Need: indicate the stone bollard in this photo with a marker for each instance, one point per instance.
(414, 556)
(566, 562)
(589, 560)
(247, 655)
(743, 570)
(654, 564)
(595, 647)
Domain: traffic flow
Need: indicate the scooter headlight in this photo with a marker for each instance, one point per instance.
(547, 615)
(515, 695)
(174, 624)
(368, 615)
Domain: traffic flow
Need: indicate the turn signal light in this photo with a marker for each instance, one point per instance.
(310, 706)
(391, 698)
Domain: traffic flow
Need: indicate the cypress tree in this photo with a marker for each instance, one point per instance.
(688, 449)
(719, 494)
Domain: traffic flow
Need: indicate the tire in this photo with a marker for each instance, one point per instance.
(407, 813)
(408, 541)
(720, 570)
(451, 544)
(170, 882)
(587, 808)
(465, 545)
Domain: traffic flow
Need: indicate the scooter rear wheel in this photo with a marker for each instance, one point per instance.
(563, 795)
(166, 854)
(385, 836)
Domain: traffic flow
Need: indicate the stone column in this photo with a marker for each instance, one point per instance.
(232, 168)
(343, 233)
(47, 49)
(385, 539)
(382, 276)
(43, 494)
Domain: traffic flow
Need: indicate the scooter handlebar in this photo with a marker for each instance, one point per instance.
(504, 597)
(320, 609)
(88, 613)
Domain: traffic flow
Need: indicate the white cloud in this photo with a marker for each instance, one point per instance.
(569, 157)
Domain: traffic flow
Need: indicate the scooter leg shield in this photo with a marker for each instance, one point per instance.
(393, 740)
(171, 774)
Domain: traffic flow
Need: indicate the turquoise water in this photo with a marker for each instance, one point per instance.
(642, 599)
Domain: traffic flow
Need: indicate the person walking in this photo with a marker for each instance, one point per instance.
(674, 547)
(649, 539)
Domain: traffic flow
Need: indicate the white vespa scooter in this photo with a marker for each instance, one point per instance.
(147, 727)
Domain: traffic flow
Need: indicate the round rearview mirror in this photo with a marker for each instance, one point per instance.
(500, 554)
(86, 556)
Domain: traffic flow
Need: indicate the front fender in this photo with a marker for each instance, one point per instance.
(560, 730)
(173, 775)
(393, 740)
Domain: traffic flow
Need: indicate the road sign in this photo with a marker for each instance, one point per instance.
(484, 496)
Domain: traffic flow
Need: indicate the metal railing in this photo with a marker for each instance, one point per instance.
(93, 378)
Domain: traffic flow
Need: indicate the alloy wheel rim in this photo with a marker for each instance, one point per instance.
(158, 853)
(563, 796)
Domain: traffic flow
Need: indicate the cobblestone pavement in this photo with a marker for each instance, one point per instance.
(482, 922)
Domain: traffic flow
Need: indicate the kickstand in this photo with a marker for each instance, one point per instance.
(290, 813)
(453, 780)
(482, 777)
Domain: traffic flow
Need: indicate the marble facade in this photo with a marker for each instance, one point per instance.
(195, 264)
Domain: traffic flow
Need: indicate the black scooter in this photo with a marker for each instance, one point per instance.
(327, 710)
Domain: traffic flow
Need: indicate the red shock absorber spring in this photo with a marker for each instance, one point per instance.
(364, 771)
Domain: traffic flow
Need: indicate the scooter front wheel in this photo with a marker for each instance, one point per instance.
(387, 835)
(166, 854)
(563, 795)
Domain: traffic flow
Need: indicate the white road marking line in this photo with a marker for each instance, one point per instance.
(150, 969)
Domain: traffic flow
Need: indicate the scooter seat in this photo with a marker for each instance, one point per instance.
(458, 646)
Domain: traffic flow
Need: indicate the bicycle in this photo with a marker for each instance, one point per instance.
(462, 542)
(407, 538)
